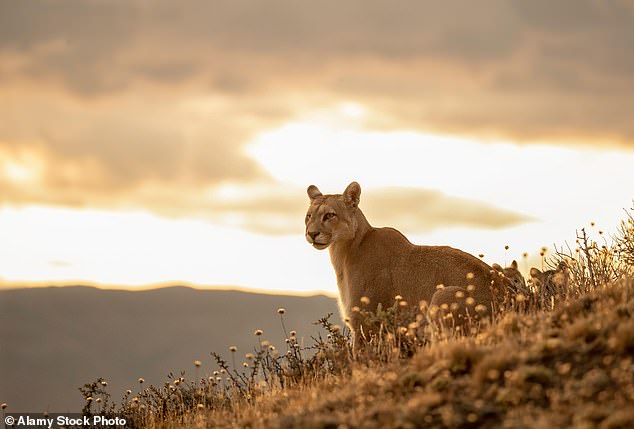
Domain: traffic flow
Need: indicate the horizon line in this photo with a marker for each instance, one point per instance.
(20, 284)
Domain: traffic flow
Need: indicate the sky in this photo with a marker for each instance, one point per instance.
(155, 142)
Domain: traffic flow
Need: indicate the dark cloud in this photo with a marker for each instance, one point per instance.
(522, 69)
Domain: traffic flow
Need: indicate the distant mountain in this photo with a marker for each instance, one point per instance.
(55, 339)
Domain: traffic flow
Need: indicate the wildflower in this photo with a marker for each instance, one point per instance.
(293, 333)
(135, 400)
(460, 294)
(444, 306)
(197, 363)
(493, 374)
(296, 345)
(244, 364)
(470, 276)
(398, 298)
(403, 303)
(272, 348)
(440, 286)
(258, 332)
(104, 383)
(592, 223)
(520, 297)
(470, 288)
(281, 311)
(98, 400)
(211, 379)
(223, 371)
(216, 373)
(177, 382)
(481, 255)
(481, 308)
(248, 356)
(506, 247)
(89, 399)
(402, 330)
(4, 405)
(200, 406)
(365, 300)
(129, 392)
(454, 306)
(141, 380)
(265, 344)
(422, 305)
(356, 309)
(218, 379)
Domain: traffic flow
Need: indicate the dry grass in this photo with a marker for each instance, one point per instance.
(534, 366)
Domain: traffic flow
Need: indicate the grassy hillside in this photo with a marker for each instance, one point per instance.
(565, 361)
(571, 368)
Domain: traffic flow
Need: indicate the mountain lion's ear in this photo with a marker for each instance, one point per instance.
(535, 272)
(514, 264)
(352, 194)
(313, 192)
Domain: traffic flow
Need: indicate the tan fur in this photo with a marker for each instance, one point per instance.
(512, 273)
(380, 263)
(551, 283)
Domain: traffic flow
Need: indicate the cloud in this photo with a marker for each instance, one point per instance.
(275, 211)
(528, 70)
(123, 103)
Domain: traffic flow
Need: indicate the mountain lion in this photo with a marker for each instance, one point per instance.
(380, 263)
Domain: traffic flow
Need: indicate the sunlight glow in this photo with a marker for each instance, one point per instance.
(329, 148)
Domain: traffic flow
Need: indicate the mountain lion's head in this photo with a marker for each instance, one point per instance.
(331, 218)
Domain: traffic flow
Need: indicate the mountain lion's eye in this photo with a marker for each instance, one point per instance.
(328, 216)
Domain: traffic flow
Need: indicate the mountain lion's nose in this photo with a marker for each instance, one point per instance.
(313, 234)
